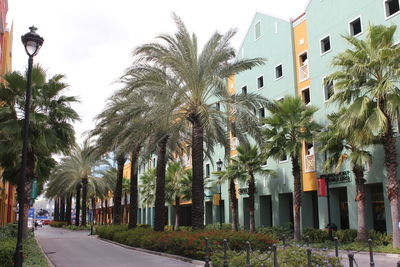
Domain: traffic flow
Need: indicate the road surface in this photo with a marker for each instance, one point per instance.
(77, 249)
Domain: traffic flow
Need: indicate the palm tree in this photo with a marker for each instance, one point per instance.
(202, 83)
(230, 174)
(288, 126)
(337, 143)
(178, 187)
(246, 164)
(125, 191)
(50, 127)
(366, 81)
(148, 187)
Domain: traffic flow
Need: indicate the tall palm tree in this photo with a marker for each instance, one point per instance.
(148, 187)
(288, 126)
(50, 127)
(178, 187)
(337, 143)
(246, 165)
(366, 81)
(125, 191)
(202, 83)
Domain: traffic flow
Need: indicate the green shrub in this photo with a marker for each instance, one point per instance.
(7, 249)
(346, 235)
(380, 239)
(288, 257)
(217, 226)
(277, 232)
(185, 243)
(8, 230)
(315, 235)
(58, 224)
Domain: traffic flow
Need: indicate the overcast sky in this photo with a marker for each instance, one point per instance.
(90, 41)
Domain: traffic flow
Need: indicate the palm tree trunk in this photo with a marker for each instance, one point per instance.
(362, 234)
(177, 212)
(232, 196)
(251, 191)
(56, 209)
(159, 216)
(84, 199)
(68, 209)
(126, 207)
(93, 202)
(62, 208)
(118, 191)
(133, 189)
(78, 204)
(101, 220)
(297, 196)
(198, 175)
(106, 212)
(389, 145)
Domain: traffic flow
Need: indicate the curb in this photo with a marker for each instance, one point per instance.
(163, 254)
(44, 253)
(390, 255)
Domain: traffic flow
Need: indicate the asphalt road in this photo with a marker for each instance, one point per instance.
(77, 249)
(363, 260)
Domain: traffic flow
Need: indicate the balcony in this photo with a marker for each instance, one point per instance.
(304, 73)
(234, 143)
(309, 161)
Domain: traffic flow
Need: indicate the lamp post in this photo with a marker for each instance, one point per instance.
(32, 43)
(219, 167)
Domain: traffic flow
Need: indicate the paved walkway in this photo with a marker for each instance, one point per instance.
(362, 259)
(77, 249)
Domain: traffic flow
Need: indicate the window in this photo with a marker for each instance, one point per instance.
(218, 106)
(244, 90)
(278, 72)
(325, 45)
(309, 149)
(391, 7)
(283, 158)
(328, 89)
(303, 62)
(261, 113)
(305, 95)
(207, 170)
(154, 163)
(257, 30)
(355, 27)
(260, 82)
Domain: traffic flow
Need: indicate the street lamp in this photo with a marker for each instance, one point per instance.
(219, 168)
(32, 43)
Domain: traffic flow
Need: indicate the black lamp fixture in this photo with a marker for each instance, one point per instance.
(32, 43)
(219, 164)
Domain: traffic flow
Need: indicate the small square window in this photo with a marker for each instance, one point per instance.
(154, 163)
(244, 90)
(391, 7)
(218, 106)
(355, 27)
(207, 170)
(257, 30)
(283, 158)
(260, 82)
(328, 89)
(305, 94)
(278, 72)
(261, 113)
(325, 45)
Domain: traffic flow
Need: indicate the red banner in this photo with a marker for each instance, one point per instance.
(322, 192)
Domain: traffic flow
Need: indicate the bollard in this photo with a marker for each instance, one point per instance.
(247, 254)
(91, 229)
(284, 240)
(351, 259)
(307, 241)
(275, 255)
(336, 247)
(371, 254)
(309, 263)
(225, 256)
(207, 256)
(398, 264)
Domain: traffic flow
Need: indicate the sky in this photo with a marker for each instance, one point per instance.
(90, 41)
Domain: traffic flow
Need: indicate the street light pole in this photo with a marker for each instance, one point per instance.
(32, 43)
(329, 210)
(219, 168)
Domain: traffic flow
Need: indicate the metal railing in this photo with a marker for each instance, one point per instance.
(304, 73)
(310, 163)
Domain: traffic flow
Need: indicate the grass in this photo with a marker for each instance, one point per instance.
(34, 255)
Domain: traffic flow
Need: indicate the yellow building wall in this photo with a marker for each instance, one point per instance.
(301, 46)
(7, 52)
